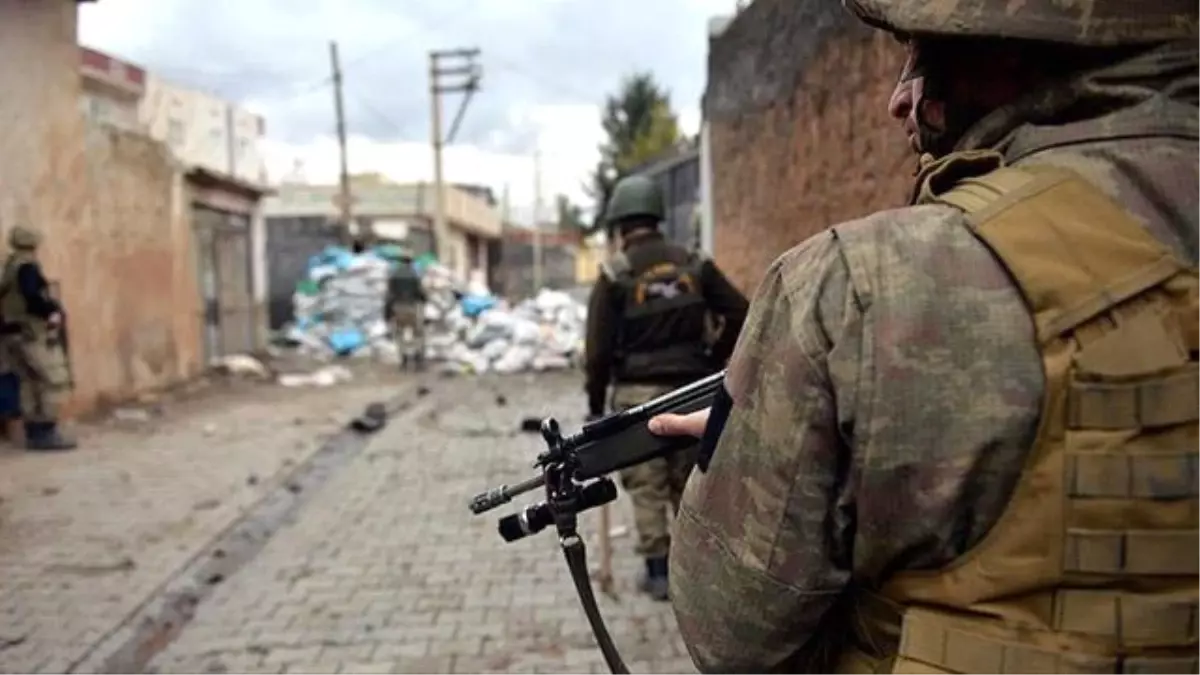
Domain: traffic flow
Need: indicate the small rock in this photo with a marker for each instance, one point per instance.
(294, 488)
(206, 505)
(210, 429)
(50, 491)
(215, 579)
(501, 400)
(422, 391)
(252, 480)
(131, 415)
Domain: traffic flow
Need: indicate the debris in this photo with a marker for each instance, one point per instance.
(210, 429)
(324, 377)
(339, 312)
(131, 415)
(294, 488)
(373, 419)
(501, 400)
(123, 565)
(50, 491)
(252, 480)
(206, 505)
(242, 365)
(531, 425)
(215, 579)
(9, 643)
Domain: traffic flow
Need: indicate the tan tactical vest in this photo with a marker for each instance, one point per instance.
(1092, 568)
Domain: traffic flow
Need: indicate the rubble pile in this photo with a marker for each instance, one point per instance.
(339, 312)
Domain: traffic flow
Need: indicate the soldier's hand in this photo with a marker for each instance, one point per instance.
(669, 424)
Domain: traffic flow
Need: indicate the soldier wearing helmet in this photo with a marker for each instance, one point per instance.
(32, 333)
(961, 436)
(405, 310)
(648, 331)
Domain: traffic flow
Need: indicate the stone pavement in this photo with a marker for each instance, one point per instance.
(87, 536)
(386, 570)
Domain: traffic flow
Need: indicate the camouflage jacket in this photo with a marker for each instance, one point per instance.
(886, 385)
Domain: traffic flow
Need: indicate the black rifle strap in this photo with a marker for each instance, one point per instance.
(576, 554)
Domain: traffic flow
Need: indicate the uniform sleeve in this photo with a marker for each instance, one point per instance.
(762, 544)
(35, 291)
(724, 299)
(599, 344)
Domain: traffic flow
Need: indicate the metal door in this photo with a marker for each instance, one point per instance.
(235, 299)
(223, 264)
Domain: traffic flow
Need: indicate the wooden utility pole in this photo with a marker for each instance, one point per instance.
(440, 84)
(537, 220)
(345, 213)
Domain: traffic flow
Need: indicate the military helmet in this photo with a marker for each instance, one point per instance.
(1091, 23)
(635, 196)
(24, 238)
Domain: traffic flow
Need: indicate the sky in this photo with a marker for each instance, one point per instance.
(547, 66)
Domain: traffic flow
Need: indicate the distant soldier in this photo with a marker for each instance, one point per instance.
(652, 328)
(32, 335)
(406, 310)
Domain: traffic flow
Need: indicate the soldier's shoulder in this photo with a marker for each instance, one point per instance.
(615, 265)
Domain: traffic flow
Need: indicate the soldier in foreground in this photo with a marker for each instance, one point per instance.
(973, 421)
(406, 310)
(32, 331)
(646, 334)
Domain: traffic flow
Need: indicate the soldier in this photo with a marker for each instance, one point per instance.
(406, 307)
(972, 422)
(32, 336)
(647, 318)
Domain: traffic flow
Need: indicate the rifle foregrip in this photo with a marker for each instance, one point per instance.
(634, 444)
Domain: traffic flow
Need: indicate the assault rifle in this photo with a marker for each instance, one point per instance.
(606, 445)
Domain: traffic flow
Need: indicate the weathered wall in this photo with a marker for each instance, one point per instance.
(137, 319)
(115, 241)
(801, 139)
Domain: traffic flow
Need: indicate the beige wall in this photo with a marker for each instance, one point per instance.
(109, 204)
(196, 127)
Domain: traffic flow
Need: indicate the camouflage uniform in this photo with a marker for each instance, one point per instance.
(406, 311)
(34, 347)
(886, 388)
(658, 317)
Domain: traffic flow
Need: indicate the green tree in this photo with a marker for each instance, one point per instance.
(639, 125)
(569, 215)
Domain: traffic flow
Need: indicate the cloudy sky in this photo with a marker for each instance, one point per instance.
(547, 65)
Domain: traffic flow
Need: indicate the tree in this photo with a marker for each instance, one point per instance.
(570, 216)
(639, 125)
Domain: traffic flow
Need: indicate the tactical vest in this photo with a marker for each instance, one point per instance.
(1092, 567)
(13, 309)
(404, 286)
(661, 325)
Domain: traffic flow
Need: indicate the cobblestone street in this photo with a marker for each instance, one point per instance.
(381, 567)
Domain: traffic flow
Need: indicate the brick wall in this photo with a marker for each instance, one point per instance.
(801, 140)
(108, 205)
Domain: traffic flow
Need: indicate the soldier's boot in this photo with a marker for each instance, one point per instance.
(655, 582)
(45, 437)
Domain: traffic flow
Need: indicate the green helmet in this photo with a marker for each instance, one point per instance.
(635, 196)
(24, 238)
(1095, 23)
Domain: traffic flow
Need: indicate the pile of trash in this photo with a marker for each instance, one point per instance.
(339, 312)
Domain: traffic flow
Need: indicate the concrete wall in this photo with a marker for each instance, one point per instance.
(800, 137)
(137, 319)
(204, 130)
(108, 205)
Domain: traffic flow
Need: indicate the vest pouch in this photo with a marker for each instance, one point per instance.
(45, 361)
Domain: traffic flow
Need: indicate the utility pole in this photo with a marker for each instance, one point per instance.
(444, 66)
(505, 218)
(537, 219)
(345, 214)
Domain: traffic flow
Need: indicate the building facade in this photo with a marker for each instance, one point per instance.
(112, 89)
(300, 220)
(205, 131)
